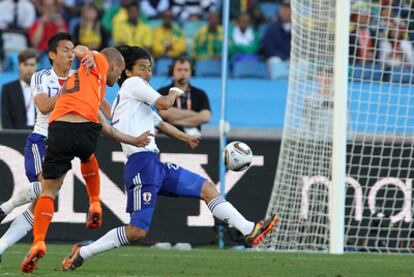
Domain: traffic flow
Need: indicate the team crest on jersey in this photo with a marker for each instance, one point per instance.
(146, 196)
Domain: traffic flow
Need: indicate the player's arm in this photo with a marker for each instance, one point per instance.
(44, 103)
(167, 101)
(173, 132)
(173, 114)
(80, 51)
(85, 56)
(194, 120)
(39, 87)
(106, 109)
(113, 133)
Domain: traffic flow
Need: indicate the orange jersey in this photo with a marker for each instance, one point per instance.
(82, 93)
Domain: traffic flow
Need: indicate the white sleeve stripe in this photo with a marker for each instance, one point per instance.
(39, 77)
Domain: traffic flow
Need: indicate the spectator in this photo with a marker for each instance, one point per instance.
(72, 9)
(118, 14)
(385, 19)
(89, 31)
(185, 10)
(154, 8)
(396, 50)
(191, 110)
(250, 7)
(169, 39)
(49, 23)
(244, 40)
(317, 105)
(17, 105)
(276, 40)
(16, 18)
(132, 32)
(208, 40)
(362, 42)
(17, 15)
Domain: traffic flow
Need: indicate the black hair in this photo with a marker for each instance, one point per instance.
(131, 54)
(53, 42)
(133, 4)
(180, 60)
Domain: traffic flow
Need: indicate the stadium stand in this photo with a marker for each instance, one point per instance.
(245, 69)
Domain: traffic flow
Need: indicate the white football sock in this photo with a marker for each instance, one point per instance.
(225, 211)
(26, 195)
(113, 239)
(17, 230)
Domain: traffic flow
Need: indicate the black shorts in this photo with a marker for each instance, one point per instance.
(65, 141)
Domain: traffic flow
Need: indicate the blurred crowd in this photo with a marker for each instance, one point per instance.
(381, 31)
(381, 41)
(258, 31)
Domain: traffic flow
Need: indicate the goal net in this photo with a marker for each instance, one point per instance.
(380, 131)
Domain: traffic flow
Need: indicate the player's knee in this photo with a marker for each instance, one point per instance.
(208, 192)
(134, 234)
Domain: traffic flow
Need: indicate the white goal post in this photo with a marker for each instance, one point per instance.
(346, 164)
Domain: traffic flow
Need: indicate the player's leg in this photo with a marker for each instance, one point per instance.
(185, 183)
(34, 152)
(182, 182)
(43, 215)
(90, 172)
(21, 225)
(253, 232)
(24, 196)
(60, 151)
(117, 237)
(139, 177)
(19, 228)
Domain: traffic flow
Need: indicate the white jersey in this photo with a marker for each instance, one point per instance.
(132, 112)
(44, 81)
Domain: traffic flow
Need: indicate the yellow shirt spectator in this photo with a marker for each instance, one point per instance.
(208, 40)
(207, 44)
(133, 35)
(168, 42)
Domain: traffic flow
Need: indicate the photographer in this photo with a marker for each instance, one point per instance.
(191, 110)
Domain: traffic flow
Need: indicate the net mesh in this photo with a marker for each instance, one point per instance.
(378, 211)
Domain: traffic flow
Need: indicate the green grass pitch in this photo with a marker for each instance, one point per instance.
(143, 261)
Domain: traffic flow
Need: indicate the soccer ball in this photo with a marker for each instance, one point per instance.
(237, 156)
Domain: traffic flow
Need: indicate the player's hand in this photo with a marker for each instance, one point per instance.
(177, 91)
(89, 62)
(144, 139)
(193, 141)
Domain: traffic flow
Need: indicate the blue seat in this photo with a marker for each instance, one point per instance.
(269, 9)
(154, 23)
(278, 69)
(401, 74)
(191, 27)
(209, 68)
(11, 62)
(368, 71)
(161, 66)
(249, 69)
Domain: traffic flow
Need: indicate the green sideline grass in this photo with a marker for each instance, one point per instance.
(142, 261)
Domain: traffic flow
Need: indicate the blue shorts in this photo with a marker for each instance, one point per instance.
(146, 177)
(34, 154)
